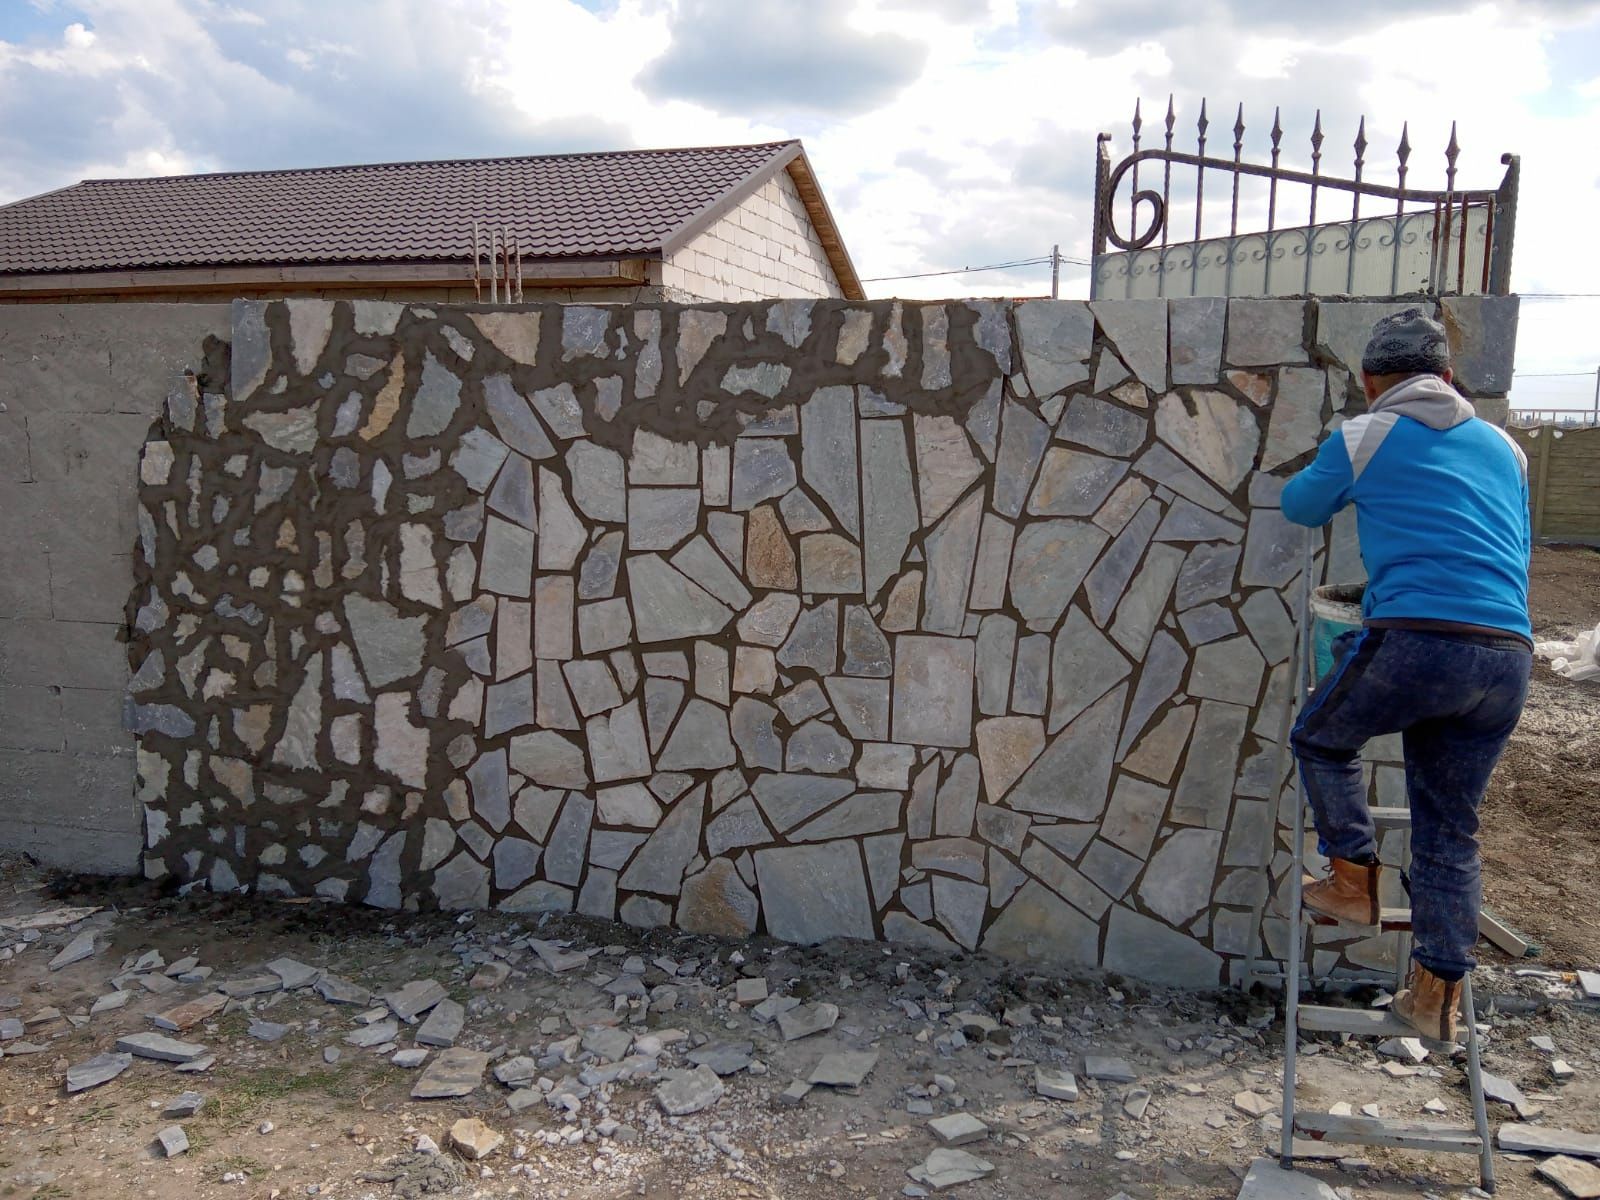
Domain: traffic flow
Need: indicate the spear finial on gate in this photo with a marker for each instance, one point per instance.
(1316, 142)
(1202, 124)
(1172, 118)
(1403, 151)
(1450, 154)
(1361, 145)
(1238, 132)
(1277, 135)
(1138, 121)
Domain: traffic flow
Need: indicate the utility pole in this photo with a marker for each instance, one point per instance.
(1597, 396)
(1055, 294)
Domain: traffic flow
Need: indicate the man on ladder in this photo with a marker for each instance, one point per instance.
(1443, 657)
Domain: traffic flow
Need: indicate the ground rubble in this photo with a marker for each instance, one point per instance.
(332, 1052)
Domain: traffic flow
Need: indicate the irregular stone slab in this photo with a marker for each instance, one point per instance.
(1541, 1139)
(700, 741)
(158, 1047)
(958, 1129)
(659, 865)
(866, 812)
(1164, 467)
(1295, 426)
(1142, 948)
(102, 1068)
(769, 557)
(438, 396)
(807, 1019)
(1023, 438)
(335, 990)
(736, 826)
(843, 1068)
(946, 465)
(933, 691)
(815, 892)
(1146, 598)
(1482, 332)
(866, 650)
(173, 1141)
(597, 481)
(1182, 873)
(1273, 550)
(786, 800)
(660, 518)
(267, 1031)
(716, 900)
(997, 637)
(1188, 522)
(1070, 778)
(888, 500)
(1213, 431)
(1050, 560)
(1038, 925)
(1345, 328)
(1204, 792)
(1103, 426)
(1266, 1180)
(829, 565)
(1164, 666)
(946, 1168)
(1085, 665)
(813, 642)
(668, 605)
(1228, 670)
(455, 1072)
(863, 706)
(762, 470)
(960, 908)
(687, 1092)
(816, 747)
(768, 621)
(1138, 330)
(1074, 483)
(1196, 338)
(507, 566)
(1267, 332)
(185, 1105)
(78, 949)
(1056, 338)
(828, 453)
(1055, 1085)
(753, 727)
(413, 999)
(1108, 581)
(705, 567)
(1007, 746)
(443, 1026)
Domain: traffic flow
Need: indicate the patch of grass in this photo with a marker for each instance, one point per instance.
(245, 1096)
(93, 1113)
(52, 1191)
(234, 1163)
(234, 1024)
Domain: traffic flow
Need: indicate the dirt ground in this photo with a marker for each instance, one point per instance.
(311, 1115)
(1541, 820)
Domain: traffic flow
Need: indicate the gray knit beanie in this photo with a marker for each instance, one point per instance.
(1407, 343)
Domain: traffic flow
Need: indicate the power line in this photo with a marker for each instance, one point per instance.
(1552, 374)
(1558, 295)
(1042, 260)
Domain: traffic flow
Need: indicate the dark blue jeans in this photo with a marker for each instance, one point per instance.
(1455, 699)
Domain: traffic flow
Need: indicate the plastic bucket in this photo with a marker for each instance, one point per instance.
(1335, 610)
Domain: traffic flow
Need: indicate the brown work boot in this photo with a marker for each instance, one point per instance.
(1428, 1004)
(1349, 893)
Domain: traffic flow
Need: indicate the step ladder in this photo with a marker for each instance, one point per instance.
(1364, 1023)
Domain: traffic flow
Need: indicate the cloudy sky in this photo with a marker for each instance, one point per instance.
(946, 133)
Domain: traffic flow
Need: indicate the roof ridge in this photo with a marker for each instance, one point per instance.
(431, 162)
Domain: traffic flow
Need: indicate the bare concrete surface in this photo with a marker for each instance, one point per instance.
(579, 1036)
(79, 384)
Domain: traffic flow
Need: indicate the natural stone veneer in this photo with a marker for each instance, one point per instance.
(958, 624)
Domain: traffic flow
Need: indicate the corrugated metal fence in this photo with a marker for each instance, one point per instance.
(1563, 481)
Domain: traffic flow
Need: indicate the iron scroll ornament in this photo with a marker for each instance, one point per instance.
(1158, 206)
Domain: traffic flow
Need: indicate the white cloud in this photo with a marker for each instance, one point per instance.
(973, 142)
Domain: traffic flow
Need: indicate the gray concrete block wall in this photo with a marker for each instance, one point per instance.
(79, 386)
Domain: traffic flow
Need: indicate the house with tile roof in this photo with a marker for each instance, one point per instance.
(705, 223)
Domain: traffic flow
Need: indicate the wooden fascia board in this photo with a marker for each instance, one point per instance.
(585, 273)
(805, 182)
(729, 199)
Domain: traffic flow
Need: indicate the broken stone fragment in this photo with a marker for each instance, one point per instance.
(159, 1047)
(844, 1068)
(78, 949)
(945, 1168)
(806, 1020)
(958, 1129)
(186, 1105)
(1055, 1085)
(294, 974)
(1253, 1104)
(102, 1068)
(456, 1072)
(1109, 1070)
(173, 1141)
(474, 1139)
(415, 998)
(686, 1092)
(443, 1026)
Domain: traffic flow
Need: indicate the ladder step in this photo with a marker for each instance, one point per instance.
(1376, 1131)
(1362, 1022)
(1395, 818)
(1390, 920)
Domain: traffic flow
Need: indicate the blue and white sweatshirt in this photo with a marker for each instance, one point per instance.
(1441, 508)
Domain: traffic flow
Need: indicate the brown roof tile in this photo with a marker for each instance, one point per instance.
(624, 203)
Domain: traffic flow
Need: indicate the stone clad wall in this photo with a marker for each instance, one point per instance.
(952, 624)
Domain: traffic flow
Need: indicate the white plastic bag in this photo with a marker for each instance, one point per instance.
(1580, 659)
